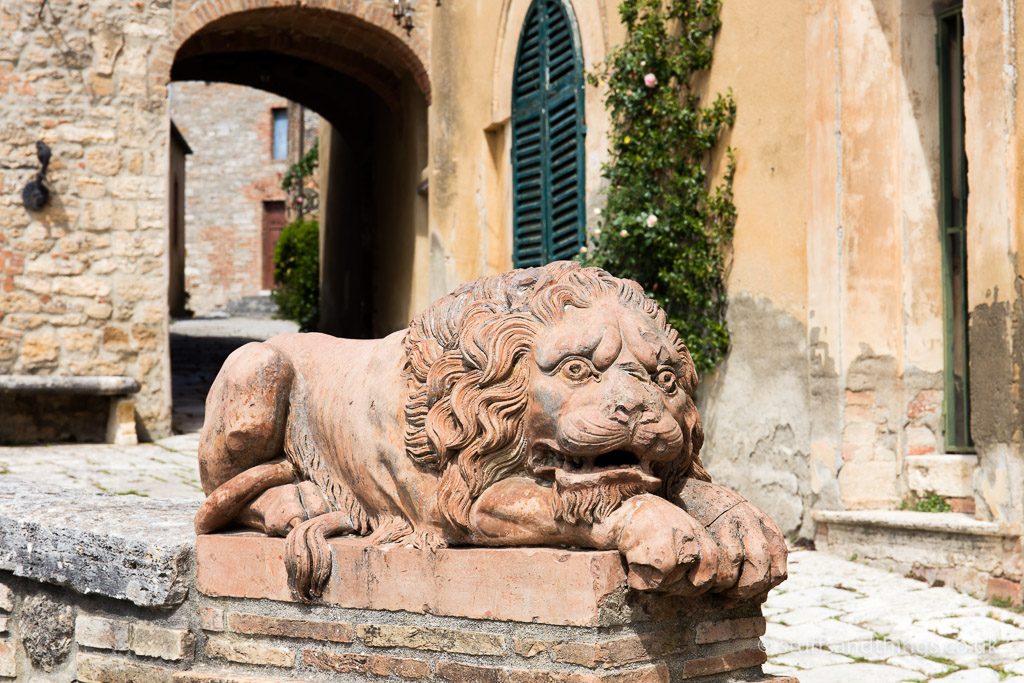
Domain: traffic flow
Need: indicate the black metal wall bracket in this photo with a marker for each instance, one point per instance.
(35, 196)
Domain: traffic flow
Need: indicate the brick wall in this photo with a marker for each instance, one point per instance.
(229, 175)
(258, 641)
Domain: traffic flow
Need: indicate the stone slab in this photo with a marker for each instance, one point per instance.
(98, 385)
(124, 547)
(936, 522)
(542, 585)
(946, 475)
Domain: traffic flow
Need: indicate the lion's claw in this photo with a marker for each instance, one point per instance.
(666, 548)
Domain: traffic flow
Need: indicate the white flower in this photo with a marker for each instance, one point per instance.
(597, 211)
(597, 232)
(623, 233)
(652, 220)
(583, 250)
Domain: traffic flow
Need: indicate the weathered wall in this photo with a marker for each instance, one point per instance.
(474, 49)
(995, 295)
(755, 406)
(837, 261)
(83, 283)
(230, 173)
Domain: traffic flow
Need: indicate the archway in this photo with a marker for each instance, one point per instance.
(366, 77)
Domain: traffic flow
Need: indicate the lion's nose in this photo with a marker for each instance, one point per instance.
(626, 407)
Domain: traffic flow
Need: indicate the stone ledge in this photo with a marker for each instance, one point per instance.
(542, 585)
(97, 385)
(935, 522)
(123, 547)
(943, 549)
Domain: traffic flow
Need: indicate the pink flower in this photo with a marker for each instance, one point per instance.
(652, 220)
(650, 80)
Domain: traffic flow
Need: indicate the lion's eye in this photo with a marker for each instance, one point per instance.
(576, 370)
(666, 379)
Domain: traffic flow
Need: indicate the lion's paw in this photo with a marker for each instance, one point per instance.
(666, 548)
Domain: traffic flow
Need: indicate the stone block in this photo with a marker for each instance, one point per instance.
(708, 666)
(377, 665)
(8, 660)
(124, 547)
(211, 618)
(947, 475)
(223, 676)
(958, 550)
(255, 624)
(455, 672)
(247, 651)
(436, 639)
(94, 668)
(102, 633)
(730, 629)
(172, 644)
(511, 584)
(868, 484)
(121, 422)
(6, 598)
(1003, 589)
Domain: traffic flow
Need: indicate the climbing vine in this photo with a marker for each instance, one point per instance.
(299, 182)
(663, 224)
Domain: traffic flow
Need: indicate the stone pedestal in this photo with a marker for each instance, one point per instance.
(105, 589)
(463, 614)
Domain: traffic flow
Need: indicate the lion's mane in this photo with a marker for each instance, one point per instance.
(468, 384)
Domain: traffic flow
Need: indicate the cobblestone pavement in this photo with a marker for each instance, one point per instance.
(842, 622)
(166, 469)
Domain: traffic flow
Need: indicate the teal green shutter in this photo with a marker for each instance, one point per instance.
(547, 138)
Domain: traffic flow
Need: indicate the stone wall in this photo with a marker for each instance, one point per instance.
(108, 589)
(229, 175)
(83, 285)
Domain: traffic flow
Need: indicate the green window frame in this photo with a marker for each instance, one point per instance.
(953, 228)
(548, 131)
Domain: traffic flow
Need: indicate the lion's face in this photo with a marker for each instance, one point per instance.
(607, 406)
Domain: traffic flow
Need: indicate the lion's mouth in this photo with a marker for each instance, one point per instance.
(612, 467)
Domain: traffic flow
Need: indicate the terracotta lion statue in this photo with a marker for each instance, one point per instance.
(546, 406)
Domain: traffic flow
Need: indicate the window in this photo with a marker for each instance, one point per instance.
(547, 138)
(953, 224)
(279, 144)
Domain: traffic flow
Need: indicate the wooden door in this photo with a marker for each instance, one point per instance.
(274, 220)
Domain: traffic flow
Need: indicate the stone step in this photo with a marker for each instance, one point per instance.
(978, 557)
(258, 306)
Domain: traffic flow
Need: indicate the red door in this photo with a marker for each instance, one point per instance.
(274, 220)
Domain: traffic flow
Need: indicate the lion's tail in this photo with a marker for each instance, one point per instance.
(226, 501)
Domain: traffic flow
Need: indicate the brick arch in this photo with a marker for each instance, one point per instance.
(368, 42)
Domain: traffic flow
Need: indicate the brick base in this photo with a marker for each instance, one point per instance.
(456, 615)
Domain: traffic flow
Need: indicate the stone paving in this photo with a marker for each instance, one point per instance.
(839, 621)
(165, 469)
